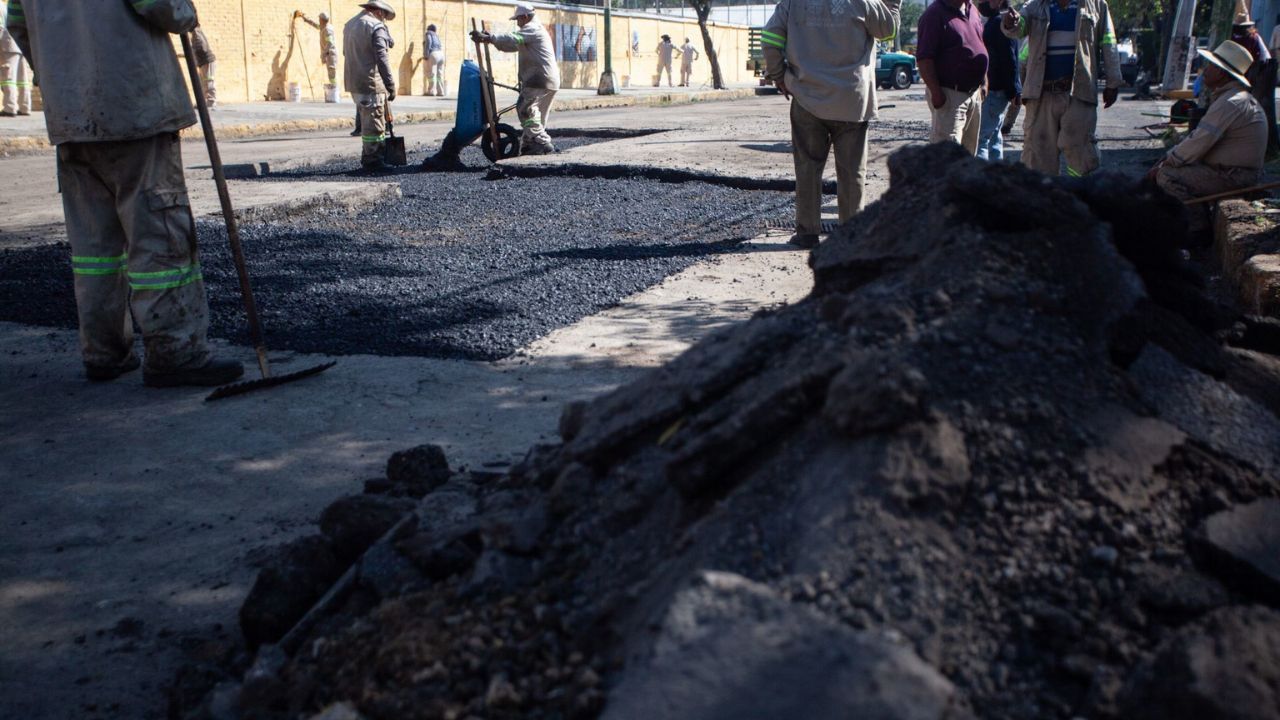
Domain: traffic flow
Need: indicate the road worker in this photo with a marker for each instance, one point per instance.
(539, 76)
(132, 234)
(1059, 92)
(328, 51)
(433, 50)
(666, 49)
(15, 81)
(821, 56)
(366, 48)
(688, 53)
(1227, 148)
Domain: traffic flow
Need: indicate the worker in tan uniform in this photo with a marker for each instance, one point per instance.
(1226, 150)
(366, 47)
(821, 56)
(539, 76)
(688, 53)
(1059, 93)
(132, 234)
(206, 64)
(328, 48)
(666, 50)
(15, 81)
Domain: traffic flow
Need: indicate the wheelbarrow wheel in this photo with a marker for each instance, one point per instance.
(508, 143)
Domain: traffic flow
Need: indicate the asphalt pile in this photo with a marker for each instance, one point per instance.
(1008, 460)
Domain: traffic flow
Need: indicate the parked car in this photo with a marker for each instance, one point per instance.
(895, 69)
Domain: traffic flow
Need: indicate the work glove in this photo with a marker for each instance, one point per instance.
(391, 94)
(479, 36)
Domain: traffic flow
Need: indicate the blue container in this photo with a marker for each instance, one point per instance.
(470, 121)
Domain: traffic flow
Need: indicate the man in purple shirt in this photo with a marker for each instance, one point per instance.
(953, 65)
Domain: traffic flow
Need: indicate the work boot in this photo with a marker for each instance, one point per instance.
(103, 373)
(804, 241)
(375, 166)
(532, 149)
(212, 373)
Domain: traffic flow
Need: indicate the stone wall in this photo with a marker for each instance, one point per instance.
(259, 54)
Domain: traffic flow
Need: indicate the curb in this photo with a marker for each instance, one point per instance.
(1246, 245)
(25, 144)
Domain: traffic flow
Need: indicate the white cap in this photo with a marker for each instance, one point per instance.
(522, 9)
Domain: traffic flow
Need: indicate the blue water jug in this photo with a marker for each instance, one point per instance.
(469, 122)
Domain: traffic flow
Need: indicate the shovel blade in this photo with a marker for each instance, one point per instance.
(393, 151)
(241, 388)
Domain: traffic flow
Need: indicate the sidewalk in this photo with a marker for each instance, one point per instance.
(234, 120)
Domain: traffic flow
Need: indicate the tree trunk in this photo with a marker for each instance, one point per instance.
(703, 8)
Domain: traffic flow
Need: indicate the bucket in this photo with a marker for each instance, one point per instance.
(295, 92)
(331, 93)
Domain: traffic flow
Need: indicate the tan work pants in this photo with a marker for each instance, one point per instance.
(663, 66)
(15, 83)
(959, 119)
(1197, 180)
(207, 73)
(811, 140)
(133, 246)
(1057, 124)
(435, 73)
(372, 110)
(686, 72)
(534, 110)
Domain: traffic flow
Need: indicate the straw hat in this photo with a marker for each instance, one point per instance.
(1242, 17)
(380, 5)
(1232, 58)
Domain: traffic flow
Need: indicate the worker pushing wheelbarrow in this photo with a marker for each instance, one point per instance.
(478, 114)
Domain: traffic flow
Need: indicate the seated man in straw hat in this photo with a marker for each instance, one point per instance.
(1226, 149)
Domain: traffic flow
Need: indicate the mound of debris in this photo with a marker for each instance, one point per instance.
(990, 468)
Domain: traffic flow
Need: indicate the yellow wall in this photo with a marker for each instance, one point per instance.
(258, 56)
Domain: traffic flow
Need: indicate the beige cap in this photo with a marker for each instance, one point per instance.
(522, 9)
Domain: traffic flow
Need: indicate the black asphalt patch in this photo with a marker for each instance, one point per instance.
(458, 268)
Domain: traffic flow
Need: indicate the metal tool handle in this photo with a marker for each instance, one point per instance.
(228, 215)
(486, 94)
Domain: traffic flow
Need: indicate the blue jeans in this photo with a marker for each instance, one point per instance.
(990, 143)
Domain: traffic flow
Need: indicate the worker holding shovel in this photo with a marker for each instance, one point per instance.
(132, 234)
(366, 46)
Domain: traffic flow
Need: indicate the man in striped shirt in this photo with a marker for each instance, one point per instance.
(1060, 92)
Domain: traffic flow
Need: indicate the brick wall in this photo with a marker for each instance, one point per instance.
(259, 54)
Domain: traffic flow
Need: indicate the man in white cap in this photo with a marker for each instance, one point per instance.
(688, 53)
(328, 47)
(366, 46)
(1059, 93)
(539, 76)
(1225, 151)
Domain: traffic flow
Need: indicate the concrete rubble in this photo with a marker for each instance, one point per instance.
(965, 478)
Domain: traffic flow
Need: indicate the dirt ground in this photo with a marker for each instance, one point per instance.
(133, 519)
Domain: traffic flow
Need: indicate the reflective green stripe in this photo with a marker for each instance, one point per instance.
(1022, 54)
(1072, 173)
(519, 39)
(775, 43)
(8, 83)
(528, 123)
(97, 271)
(165, 279)
(1109, 39)
(775, 36)
(93, 259)
(373, 138)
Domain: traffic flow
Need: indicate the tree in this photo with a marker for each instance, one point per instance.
(703, 8)
(909, 17)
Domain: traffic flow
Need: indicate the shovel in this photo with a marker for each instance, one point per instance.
(393, 145)
(237, 252)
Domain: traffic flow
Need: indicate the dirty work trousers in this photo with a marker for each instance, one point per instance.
(990, 142)
(133, 247)
(534, 110)
(331, 68)
(959, 119)
(1056, 123)
(371, 116)
(210, 86)
(15, 82)
(435, 73)
(663, 66)
(811, 140)
(1197, 180)
(686, 72)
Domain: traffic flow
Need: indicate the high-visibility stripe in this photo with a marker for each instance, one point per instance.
(780, 38)
(94, 265)
(528, 123)
(373, 138)
(1109, 39)
(165, 279)
(774, 43)
(519, 39)
(1072, 172)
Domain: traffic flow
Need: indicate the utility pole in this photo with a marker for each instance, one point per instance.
(1178, 62)
(608, 83)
